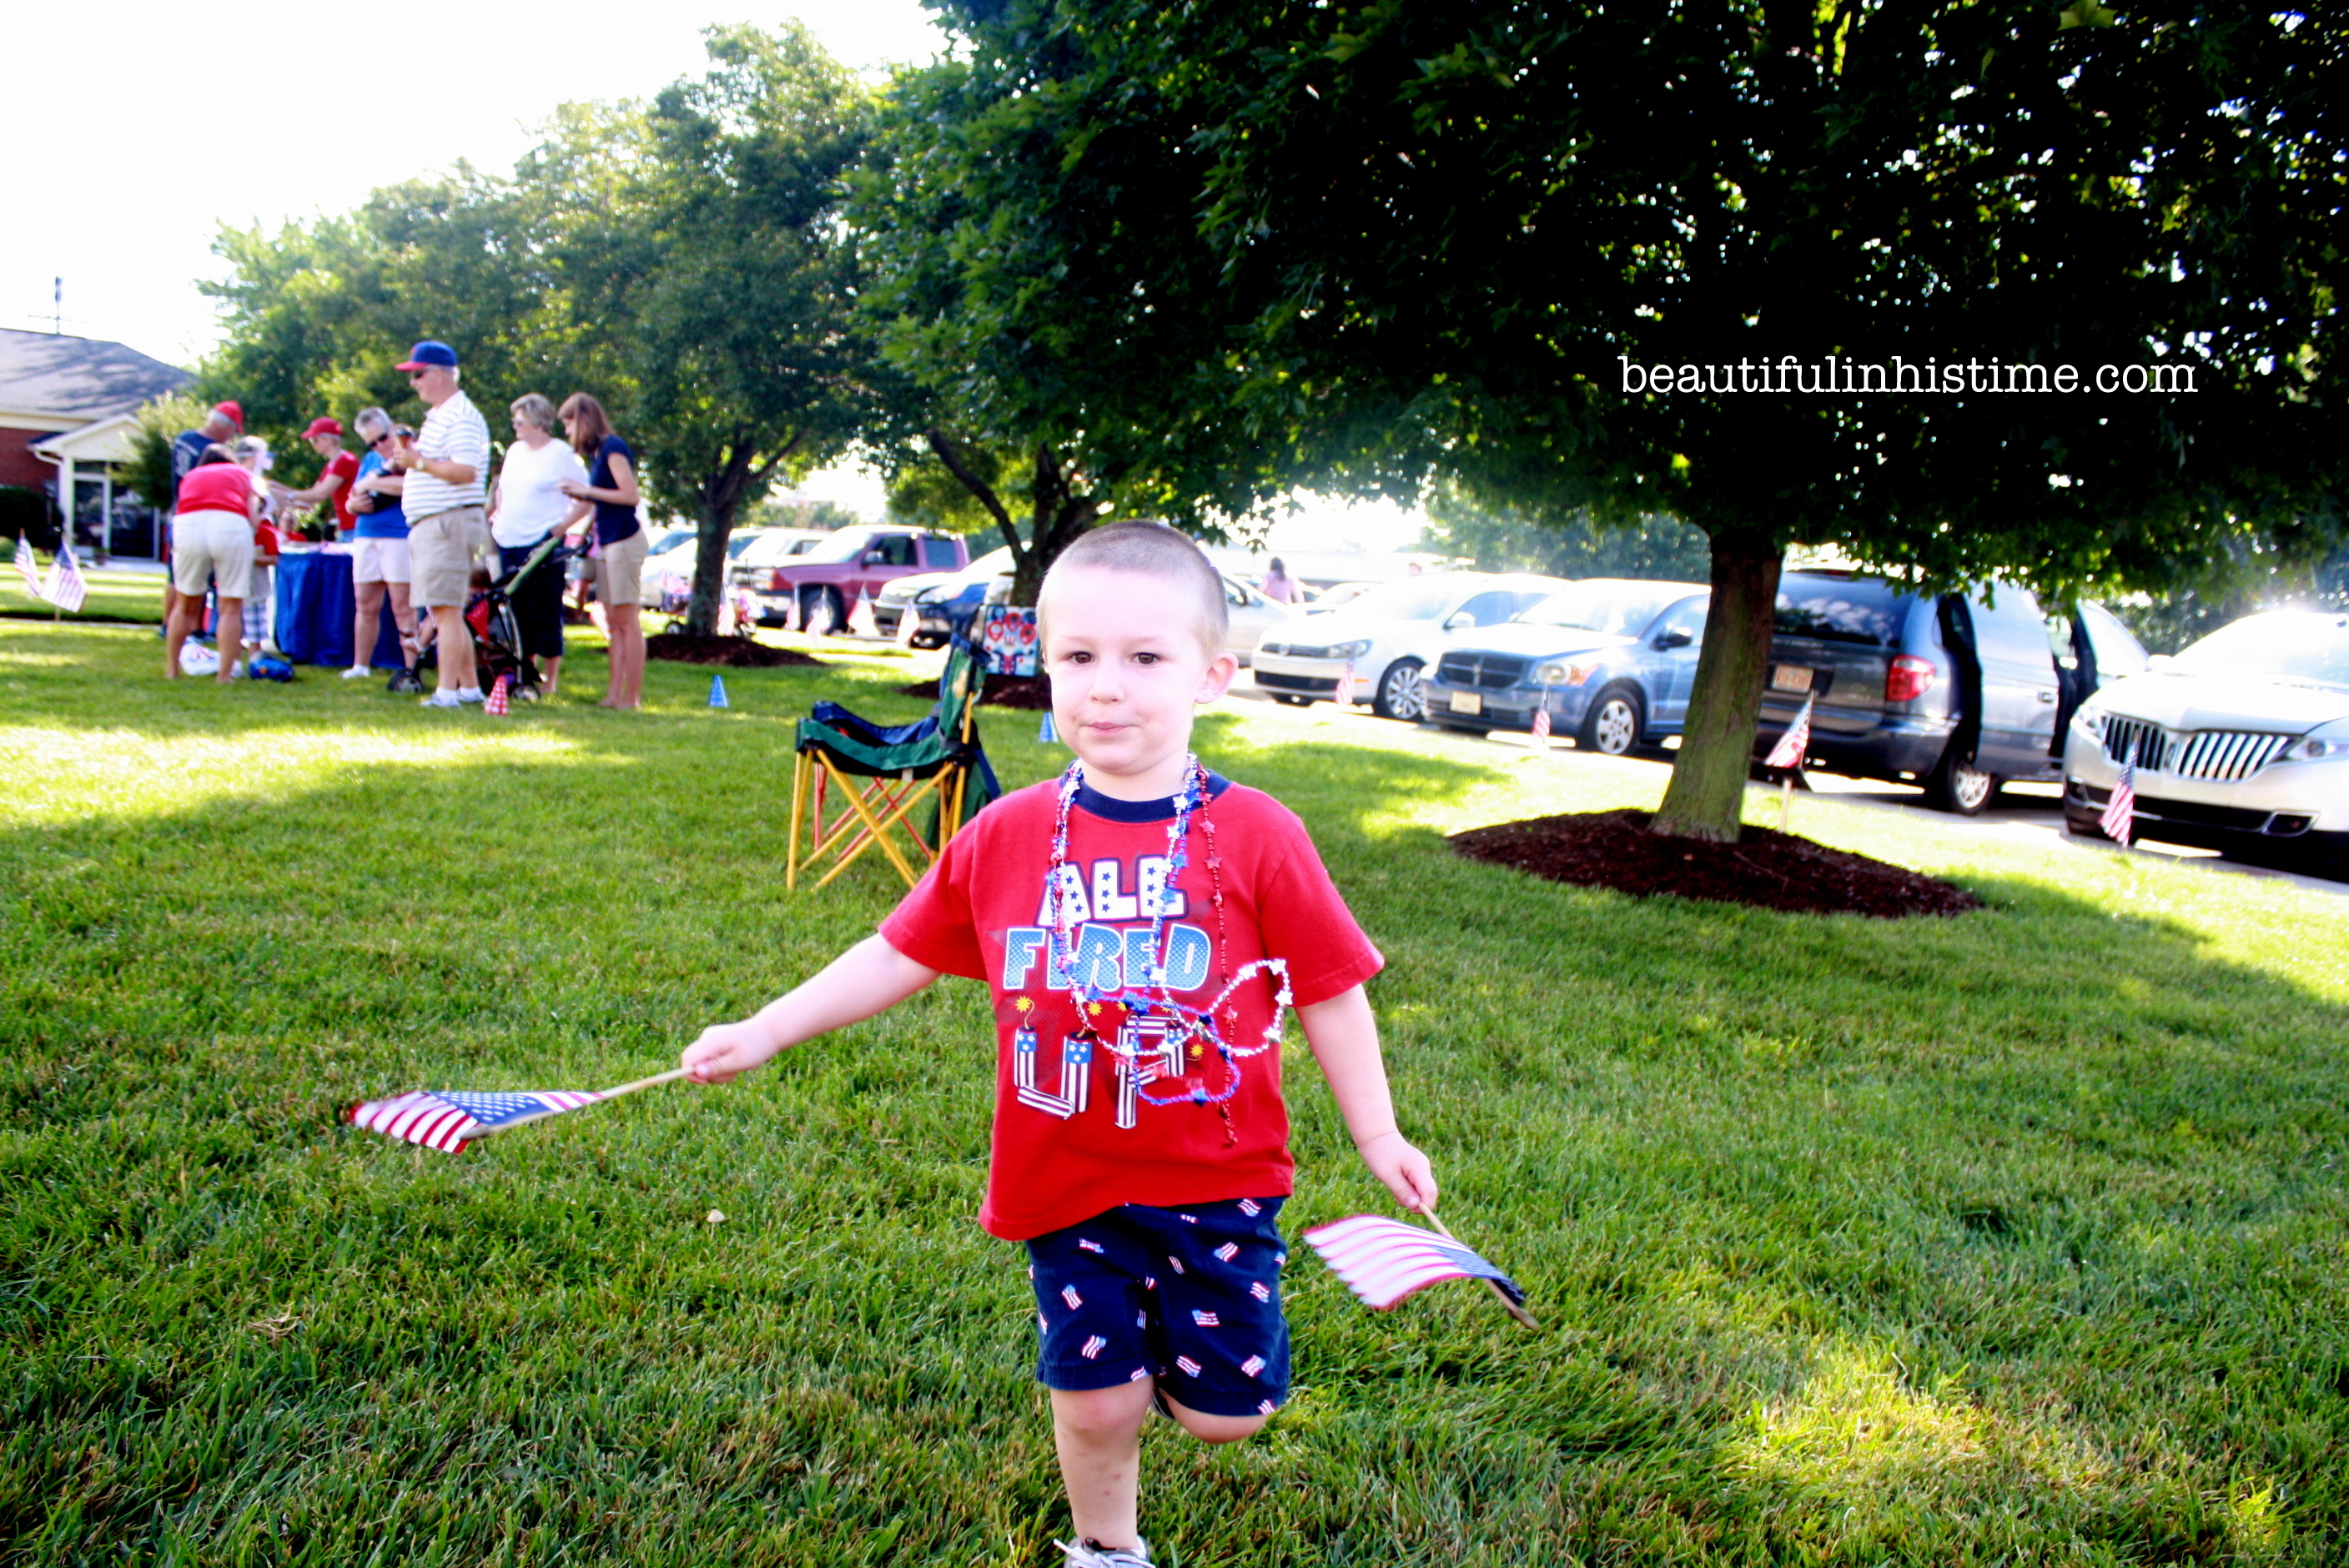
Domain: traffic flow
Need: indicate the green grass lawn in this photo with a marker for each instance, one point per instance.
(2013, 1239)
(115, 595)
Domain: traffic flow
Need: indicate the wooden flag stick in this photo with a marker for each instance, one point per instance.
(609, 1094)
(1519, 1313)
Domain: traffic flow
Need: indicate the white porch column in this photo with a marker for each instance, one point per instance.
(65, 497)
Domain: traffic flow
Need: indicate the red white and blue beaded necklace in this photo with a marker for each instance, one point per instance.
(1195, 1026)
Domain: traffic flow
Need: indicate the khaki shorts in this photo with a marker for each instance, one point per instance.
(379, 561)
(209, 544)
(440, 551)
(620, 571)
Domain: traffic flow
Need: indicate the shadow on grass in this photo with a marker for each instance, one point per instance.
(2012, 1237)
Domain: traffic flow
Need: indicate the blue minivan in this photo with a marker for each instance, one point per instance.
(1958, 692)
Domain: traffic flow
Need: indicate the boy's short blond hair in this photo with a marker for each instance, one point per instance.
(1150, 550)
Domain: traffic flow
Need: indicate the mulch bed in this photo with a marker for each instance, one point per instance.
(734, 653)
(1033, 693)
(1767, 869)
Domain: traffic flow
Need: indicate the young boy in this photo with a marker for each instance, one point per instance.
(1139, 922)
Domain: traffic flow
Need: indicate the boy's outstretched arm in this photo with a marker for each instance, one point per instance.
(870, 978)
(1345, 1040)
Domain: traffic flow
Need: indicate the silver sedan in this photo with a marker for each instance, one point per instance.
(2240, 744)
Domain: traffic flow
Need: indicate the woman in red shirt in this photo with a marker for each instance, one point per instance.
(211, 539)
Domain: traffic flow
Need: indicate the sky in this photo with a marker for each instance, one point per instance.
(136, 132)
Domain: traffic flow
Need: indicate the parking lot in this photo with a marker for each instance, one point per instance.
(2031, 812)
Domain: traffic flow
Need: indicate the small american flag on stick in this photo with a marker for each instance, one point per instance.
(1541, 717)
(1383, 1260)
(1788, 752)
(28, 566)
(447, 1120)
(65, 587)
(2119, 819)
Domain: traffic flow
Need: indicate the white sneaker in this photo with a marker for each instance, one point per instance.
(357, 673)
(1089, 1553)
(442, 699)
(469, 693)
(236, 670)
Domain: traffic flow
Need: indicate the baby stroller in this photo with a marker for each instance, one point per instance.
(497, 640)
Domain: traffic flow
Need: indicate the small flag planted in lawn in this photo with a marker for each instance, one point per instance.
(1794, 743)
(1045, 734)
(28, 564)
(2120, 821)
(1383, 1260)
(499, 702)
(1541, 718)
(717, 691)
(65, 587)
(447, 1120)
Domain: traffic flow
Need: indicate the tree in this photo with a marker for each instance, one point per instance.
(683, 260)
(1488, 225)
(1023, 360)
(1500, 536)
(715, 247)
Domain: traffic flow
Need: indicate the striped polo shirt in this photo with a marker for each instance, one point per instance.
(452, 433)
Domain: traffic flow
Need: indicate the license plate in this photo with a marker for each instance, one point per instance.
(1790, 677)
(1467, 702)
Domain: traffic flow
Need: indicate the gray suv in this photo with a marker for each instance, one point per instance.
(1959, 692)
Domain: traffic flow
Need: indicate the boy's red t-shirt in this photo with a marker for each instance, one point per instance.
(1061, 1154)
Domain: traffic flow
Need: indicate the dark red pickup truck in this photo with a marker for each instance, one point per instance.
(822, 584)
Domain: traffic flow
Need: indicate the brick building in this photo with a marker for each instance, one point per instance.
(66, 405)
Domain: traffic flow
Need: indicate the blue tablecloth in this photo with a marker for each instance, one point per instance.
(315, 604)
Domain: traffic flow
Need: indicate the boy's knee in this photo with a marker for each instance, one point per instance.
(1215, 1429)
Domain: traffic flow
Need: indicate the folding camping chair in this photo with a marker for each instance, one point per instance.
(855, 784)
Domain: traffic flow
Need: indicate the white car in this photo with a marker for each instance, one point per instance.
(1383, 635)
(2240, 744)
(1249, 614)
(749, 567)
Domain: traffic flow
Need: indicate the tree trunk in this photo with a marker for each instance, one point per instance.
(1706, 798)
(721, 497)
(712, 530)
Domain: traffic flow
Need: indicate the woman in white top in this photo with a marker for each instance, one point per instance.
(527, 505)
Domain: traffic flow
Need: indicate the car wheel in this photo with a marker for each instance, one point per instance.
(1402, 695)
(1292, 700)
(1614, 724)
(1960, 786)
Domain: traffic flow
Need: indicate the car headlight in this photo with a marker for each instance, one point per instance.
(1275, 648)
(1353, 650)
(1563, 675)
(2332, 740)
(2090, 722)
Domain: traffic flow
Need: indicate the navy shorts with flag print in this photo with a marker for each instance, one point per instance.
(1190, 1296)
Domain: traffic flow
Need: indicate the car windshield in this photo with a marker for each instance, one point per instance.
(1617, 609)
(848, 544)
(1414, 599)
(2310, 648)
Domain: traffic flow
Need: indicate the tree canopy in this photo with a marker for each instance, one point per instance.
(1485, 227)
(682, 259)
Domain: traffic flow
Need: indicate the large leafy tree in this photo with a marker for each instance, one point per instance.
(1027, 361)
(708, 261)
(684, 260)
(1474, 221)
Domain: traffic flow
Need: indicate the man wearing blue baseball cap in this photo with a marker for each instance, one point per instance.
(447, 464)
